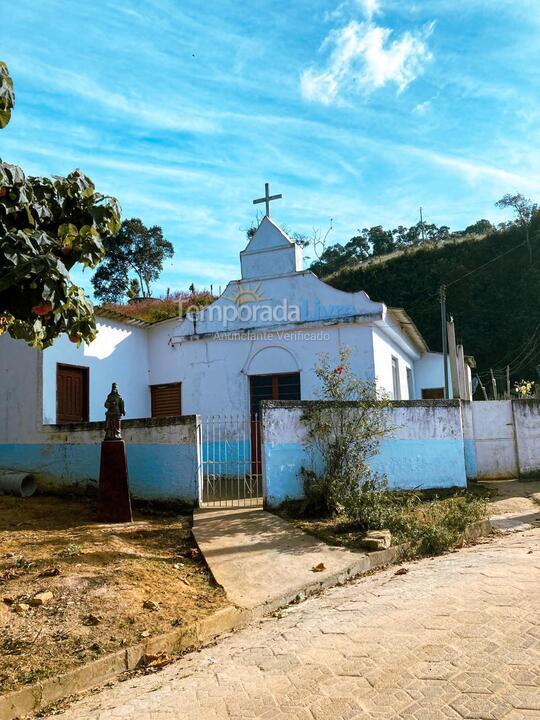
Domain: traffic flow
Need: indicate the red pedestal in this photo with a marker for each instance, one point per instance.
(114, 504)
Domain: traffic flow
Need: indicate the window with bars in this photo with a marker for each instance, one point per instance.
(284, 386)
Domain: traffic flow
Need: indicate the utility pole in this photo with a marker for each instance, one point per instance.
(444, 331)
(508, 381)
(484, 393)
(422, 226)
(493, 384)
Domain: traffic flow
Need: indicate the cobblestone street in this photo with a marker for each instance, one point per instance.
(455, 637)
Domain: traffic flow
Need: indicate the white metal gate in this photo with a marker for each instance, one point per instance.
(231, 463)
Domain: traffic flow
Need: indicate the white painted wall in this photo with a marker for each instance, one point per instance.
(527, 424)
(215, 372)
(20, 381)
(495, 442)
(429, 373)
(118, 354)
(270, 252)
(424, 449)
(383, 350)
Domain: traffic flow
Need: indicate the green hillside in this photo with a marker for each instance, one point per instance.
(496, 308)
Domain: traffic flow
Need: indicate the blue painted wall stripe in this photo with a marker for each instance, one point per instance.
(406, 463)
(156, 471)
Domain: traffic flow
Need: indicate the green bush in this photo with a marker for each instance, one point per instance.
(345, 430)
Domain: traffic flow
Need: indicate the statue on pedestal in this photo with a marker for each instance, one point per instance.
(115, 410)
(114, 503)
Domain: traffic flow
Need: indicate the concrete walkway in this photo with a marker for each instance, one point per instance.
(262, 560)
(456, 637)
(516, 505)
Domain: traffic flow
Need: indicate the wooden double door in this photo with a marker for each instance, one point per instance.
(279, 386)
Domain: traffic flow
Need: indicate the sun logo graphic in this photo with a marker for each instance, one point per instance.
(243, 295)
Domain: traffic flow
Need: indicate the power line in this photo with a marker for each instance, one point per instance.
(521, 360)
(524, 348)
(480, 267)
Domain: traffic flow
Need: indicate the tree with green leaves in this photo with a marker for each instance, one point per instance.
(525, 211)
(47, 225)
(135, 253)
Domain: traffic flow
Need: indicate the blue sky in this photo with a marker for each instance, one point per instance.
(357, 111)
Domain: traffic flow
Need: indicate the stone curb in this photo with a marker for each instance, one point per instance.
(29, 699)
(478, 529)
(98, 672)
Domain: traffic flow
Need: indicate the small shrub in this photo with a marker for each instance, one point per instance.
(345, 434)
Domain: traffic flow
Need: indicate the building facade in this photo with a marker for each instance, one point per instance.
(261, 339)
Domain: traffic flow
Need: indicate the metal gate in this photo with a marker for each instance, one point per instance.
(231, 463)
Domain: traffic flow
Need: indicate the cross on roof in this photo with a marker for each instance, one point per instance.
(267, 198)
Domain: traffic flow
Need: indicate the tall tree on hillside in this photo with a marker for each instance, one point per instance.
(46, 227)
(525, 211)
(135, 251)
(380, 240)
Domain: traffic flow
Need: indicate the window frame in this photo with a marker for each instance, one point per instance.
(396, 383)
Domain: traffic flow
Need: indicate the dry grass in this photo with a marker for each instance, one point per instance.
(156, 309)
(106, 573)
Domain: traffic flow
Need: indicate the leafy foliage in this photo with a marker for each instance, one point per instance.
(7, 96)
(176, 304)
(46, 227)
(136, 249)
(496, 309)
(345, 434)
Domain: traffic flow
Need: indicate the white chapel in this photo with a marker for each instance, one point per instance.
(261, 339)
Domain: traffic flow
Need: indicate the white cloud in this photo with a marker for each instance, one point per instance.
(145, 113)
(423, 108)
(370, 7)
(364, 57)
(475, 172)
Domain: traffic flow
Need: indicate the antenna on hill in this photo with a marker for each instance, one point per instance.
(422, 226)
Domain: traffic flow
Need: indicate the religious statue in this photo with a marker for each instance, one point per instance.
(115, 410)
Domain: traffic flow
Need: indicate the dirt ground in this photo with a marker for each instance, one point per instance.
(111, 585)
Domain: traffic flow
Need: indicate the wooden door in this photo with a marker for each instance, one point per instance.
(71, 394)
(280, 386)
(166, 400)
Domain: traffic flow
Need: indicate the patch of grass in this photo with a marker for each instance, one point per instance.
(72, 550)
(430, 522)
(33, 676)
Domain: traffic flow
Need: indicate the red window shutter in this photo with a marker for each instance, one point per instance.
(166, 400)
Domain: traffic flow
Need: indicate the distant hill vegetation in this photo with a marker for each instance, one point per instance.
(493, 290)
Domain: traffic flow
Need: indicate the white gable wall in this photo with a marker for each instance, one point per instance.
(270, 253)
(118, 354)
(215, 372)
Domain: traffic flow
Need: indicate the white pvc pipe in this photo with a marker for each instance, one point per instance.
(21, 484)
